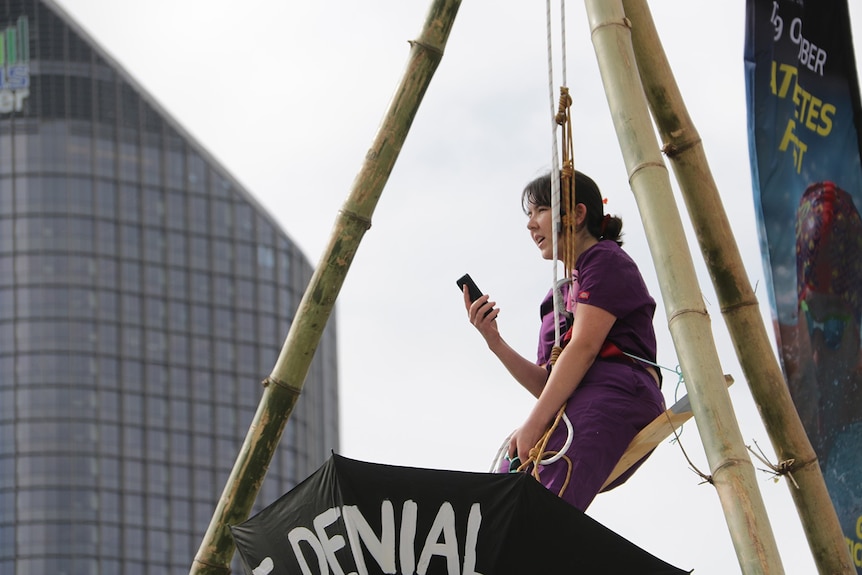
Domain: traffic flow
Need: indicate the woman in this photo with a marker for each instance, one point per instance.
(609, 396)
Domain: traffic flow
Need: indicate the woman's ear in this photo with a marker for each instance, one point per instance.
(581, 213)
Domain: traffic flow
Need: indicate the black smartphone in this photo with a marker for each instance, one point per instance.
(472, 289)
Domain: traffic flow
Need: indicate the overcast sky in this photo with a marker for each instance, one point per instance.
(288, 96)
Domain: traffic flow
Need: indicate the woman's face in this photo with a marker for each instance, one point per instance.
(540, 224)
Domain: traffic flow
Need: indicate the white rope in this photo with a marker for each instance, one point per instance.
(563, 38)
(555, 178)
(562, 451)
(503, 451)
(555, 201)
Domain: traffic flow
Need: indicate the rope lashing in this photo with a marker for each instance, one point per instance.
(706, 478)
(785, 467)
(776, 470)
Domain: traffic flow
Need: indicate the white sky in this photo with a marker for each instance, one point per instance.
(288, 96)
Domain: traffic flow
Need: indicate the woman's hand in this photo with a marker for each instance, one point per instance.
(526, 438)
(483, 316)
(525, 372)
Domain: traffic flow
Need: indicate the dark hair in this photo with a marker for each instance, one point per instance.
(600, 225)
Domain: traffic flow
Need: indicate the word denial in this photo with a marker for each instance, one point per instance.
(316, 550)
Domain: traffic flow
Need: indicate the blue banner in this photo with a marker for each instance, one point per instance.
(803, 129)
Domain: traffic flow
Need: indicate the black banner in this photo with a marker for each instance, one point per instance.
(366, 518)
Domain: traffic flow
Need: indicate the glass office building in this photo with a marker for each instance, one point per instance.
(144, 295)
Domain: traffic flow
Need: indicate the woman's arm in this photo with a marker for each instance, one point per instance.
(531, 376)
(590, 328)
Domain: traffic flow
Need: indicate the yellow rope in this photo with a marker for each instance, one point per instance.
(538, 452)
(567, 180)
(555, 353)
(567, 191)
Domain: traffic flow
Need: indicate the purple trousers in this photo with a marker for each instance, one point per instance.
(611, 405)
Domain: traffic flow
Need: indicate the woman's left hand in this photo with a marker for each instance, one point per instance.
(526, 438)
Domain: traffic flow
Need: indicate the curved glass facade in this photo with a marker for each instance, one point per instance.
(143, 297)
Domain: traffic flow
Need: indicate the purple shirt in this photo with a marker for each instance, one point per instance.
(610, 280)
(607, 277)
(615, 399)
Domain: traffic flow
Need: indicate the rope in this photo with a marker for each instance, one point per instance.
(563, 38)
(536, 455)
(562, 179)
(563, 119)
(680, 382)
(706, 478)
(556, 456)
(784, 467)
(562, 184)
(555, 171)
(567, 180)
(559, 178)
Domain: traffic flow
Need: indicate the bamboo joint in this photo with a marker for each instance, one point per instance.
(644, 166)
(438, 52)
(740, 305)
(350, 215)
(624, 23)
(681, 312)
(674, 149)
(278, 383)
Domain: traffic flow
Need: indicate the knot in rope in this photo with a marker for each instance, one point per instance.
(564, 105)
(782, 468)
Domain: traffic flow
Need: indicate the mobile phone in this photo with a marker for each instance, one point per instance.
(472, 289)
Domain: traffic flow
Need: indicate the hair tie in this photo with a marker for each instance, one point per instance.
(605, 221)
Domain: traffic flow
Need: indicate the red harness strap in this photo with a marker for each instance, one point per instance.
(608, 350)
(611, 350)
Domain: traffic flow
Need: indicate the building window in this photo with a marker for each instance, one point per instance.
(130, 241)
(176, 211)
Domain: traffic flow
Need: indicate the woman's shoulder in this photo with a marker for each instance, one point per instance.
(607, 259)
(606, 250)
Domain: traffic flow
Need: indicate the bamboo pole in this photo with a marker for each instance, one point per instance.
(284, 384)
(684, 149)
(731, 468)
